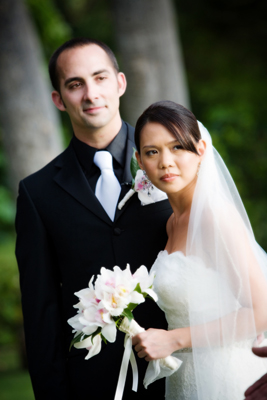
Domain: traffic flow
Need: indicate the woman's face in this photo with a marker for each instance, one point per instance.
(168, 166)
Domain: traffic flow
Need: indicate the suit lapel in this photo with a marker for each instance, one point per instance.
(71, 178)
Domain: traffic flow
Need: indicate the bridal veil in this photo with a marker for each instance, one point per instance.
(228, 305)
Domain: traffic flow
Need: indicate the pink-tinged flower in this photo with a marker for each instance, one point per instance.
(96, 316)
(147, 193)
(93, 345)
(116, 297)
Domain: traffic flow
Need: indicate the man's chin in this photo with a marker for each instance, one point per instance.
(96, 124)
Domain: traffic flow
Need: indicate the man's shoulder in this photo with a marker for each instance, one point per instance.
(49, 170)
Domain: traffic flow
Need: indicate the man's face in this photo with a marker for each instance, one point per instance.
(90, 88)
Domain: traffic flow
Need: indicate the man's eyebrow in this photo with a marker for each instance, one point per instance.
(69, 80)
(101, 71)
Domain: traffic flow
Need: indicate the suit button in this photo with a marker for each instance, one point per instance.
(117, 231)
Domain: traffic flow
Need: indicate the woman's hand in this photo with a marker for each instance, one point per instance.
(258, 391)
(157, 343)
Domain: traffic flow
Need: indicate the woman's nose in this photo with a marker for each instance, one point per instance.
(166, 160)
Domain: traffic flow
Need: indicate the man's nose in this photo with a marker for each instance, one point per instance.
(90, 93)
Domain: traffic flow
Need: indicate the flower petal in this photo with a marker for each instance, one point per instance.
(96, 347)
(152, 294)
(110, 331)
(84, 343)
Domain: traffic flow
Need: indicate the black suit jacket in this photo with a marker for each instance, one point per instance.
(64, 236)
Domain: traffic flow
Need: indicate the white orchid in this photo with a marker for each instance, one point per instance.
(86, 296)
(93, 345)
(145, 280)
(115, 289)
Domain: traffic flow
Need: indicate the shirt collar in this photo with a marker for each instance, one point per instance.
(117, 148)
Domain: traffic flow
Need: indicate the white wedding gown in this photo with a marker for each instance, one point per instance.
(238, 368)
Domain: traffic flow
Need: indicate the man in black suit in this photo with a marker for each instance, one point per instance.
(64, 235)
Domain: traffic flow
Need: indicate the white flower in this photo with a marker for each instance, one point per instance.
(145, 280)
(97, 316)
(147, 192)
(75, 323)
(115, 289)
(86, 296)
(93, 345)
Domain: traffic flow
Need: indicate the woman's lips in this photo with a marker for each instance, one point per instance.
(168, 177)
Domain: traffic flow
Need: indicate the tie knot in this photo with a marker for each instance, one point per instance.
(103, 160)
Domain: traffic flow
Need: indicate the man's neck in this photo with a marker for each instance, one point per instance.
(99, 138)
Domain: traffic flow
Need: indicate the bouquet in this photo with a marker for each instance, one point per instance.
(107, 306)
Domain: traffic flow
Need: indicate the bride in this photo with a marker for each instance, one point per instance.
(211, 279)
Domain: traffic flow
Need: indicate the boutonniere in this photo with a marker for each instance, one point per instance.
(146, 191)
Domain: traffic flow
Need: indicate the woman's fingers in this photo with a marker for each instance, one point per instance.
(260, 351)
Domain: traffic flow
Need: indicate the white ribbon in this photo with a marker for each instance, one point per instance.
(127, 356)
(157, 369)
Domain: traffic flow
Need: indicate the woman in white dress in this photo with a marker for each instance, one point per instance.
(211, 279)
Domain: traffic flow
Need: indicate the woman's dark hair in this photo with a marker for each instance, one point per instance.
(71, 44)
(177, 119)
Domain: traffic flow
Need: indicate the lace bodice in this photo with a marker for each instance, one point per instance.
(176, 277)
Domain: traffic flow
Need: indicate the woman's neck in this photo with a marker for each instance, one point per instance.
(181, 201)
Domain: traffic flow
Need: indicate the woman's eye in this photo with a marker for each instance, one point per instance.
(151, 152)
(178, 147)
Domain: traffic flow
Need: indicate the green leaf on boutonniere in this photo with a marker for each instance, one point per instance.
(128, 314)
(134, 166)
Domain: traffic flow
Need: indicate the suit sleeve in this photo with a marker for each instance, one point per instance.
(41, 302)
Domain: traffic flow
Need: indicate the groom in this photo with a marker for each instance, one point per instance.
(66, 232)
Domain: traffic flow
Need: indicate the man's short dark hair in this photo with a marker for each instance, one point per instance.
(71, 44)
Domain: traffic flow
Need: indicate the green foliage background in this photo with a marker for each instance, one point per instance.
(225, 58)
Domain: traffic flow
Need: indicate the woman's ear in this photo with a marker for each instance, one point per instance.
(201, 148)
(137, 155)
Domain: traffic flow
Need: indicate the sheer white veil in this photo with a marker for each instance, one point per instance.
(228, 291)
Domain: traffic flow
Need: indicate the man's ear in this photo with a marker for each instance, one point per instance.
(137, 155)
(122, 83)
(57, 100)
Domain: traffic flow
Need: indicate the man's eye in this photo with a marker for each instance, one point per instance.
(101, 78)
(75, 85)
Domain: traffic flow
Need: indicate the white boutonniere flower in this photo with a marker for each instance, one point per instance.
(146, 191)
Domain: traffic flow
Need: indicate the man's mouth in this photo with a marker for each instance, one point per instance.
(93, 109)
